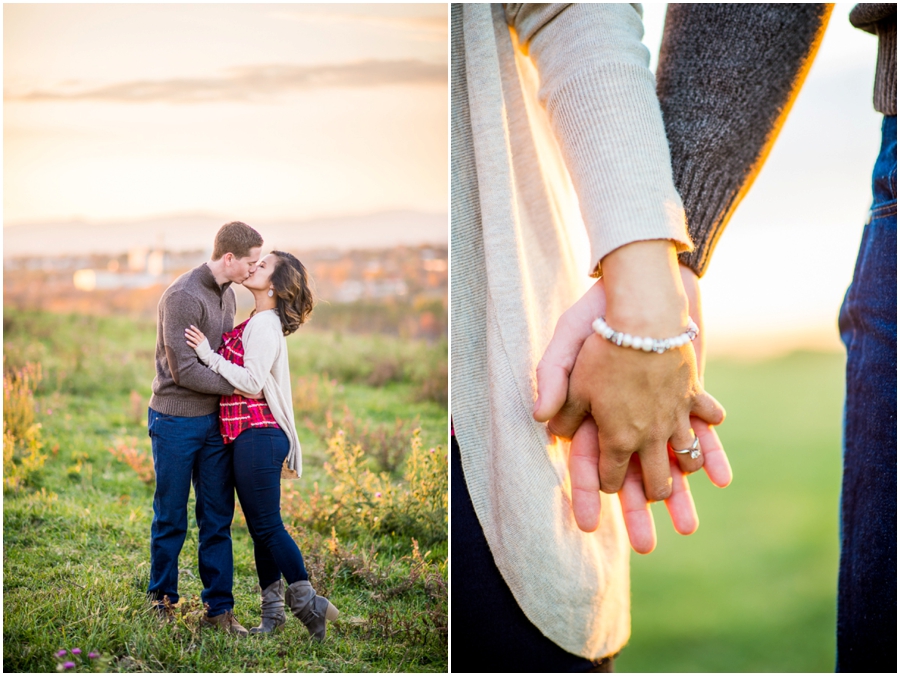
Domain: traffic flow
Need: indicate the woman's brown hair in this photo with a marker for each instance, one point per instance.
(293, 297)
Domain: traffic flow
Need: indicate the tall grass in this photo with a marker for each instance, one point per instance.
(76, 563)
(361, 503)
(22, 443)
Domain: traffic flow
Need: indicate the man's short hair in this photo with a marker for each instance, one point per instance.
(235, 238)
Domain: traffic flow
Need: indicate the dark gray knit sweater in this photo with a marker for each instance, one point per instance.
(183, 385)
(881, 19)
(727, 76)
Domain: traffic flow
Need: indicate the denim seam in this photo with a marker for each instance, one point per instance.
(884, 209)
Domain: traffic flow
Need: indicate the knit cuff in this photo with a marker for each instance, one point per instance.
(885, 98)
(610, 131)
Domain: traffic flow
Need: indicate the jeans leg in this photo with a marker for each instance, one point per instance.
(258, 456)
(267, 570)
(214, 489)
(867, 584)
(176, 442)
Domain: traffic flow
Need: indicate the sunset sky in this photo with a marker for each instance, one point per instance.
(291, 112)
(281, 111)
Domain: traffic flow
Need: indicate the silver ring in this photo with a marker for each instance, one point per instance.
(694, 450)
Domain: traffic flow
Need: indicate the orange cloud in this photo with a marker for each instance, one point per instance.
(253, 83)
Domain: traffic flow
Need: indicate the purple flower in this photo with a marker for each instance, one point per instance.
(62, 653)
(69, 665)
(76, 651)
(378, 495)
(431, 450)
(92, 655)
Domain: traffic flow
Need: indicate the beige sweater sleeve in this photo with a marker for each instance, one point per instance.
(600, 96)
(262, 345)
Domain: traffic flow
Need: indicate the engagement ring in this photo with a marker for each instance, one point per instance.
(694, 450)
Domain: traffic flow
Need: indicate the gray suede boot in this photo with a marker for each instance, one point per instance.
(310, 609)
(272, 608)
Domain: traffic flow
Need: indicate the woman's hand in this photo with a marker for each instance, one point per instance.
(198, 342)
(572, 332)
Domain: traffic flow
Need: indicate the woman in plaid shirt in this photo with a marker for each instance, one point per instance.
(253, 357)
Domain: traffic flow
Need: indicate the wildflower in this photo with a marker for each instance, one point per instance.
(93, 655)
(61, 653)
(378, 495)
(431, 450)
(69, 665)
(76, 651)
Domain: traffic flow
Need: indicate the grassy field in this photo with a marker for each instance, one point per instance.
(369, 513)
(754, 589)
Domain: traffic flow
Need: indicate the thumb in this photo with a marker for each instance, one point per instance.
(568, 419)
(552, 386)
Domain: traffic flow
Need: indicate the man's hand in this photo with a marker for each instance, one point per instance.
(558, 362)
(247, 395)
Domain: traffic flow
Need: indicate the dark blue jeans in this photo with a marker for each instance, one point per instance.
(189, 450)
(867, 584)
(258, 456)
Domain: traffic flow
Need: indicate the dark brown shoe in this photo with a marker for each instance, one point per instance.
(225, 622)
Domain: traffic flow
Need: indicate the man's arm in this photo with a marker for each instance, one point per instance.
(182, 310)
(728, 75)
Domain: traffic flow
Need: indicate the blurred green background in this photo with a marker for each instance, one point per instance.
(755, 588)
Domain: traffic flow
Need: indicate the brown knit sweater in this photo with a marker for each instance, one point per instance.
(183, 385)
(881, 19)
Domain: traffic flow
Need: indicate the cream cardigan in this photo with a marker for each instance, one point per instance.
(265, 370)
(541, 94)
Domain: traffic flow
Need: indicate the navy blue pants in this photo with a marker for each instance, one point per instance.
(867, 584)
(258, 456)
(189, 450)
(490, 631)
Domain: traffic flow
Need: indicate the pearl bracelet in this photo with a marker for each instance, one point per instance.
(657, 345)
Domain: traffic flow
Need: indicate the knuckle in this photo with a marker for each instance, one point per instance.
(557, 430)
(659, 491)
(620, 444)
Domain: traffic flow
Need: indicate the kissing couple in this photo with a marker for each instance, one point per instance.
(221, 418)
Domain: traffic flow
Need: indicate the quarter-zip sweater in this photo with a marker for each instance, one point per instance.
(183, 385)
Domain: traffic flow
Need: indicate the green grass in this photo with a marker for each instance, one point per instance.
(754, 589)
(76, 543)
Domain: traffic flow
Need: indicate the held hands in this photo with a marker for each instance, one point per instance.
(200, 344)
(625, 409)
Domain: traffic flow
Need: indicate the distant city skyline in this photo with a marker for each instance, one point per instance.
(276, 112)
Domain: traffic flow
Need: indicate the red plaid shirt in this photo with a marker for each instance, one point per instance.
(237, 413)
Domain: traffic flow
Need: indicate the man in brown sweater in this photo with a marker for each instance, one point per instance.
(184, 427)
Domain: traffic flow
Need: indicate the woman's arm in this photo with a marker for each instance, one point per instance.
(600, 96)
(261, 345)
